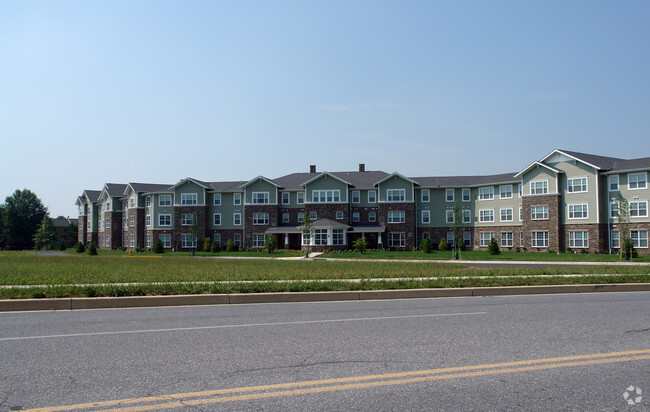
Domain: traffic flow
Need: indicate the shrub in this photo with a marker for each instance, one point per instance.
(461, 245)
(207, 244)
(518, 250)
(92, 249)
(270, 243)
(584, 251)
(158, 247)
(443, 244)
(61, 246)
(493, 247)
(215, 247)
(426, 246)
(230, 246)
(80, 248)
(360, 245)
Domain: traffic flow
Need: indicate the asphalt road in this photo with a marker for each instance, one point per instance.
(556, 352)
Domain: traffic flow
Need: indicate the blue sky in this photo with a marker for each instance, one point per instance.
(155, 91)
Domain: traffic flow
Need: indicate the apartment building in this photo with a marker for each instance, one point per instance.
(564, 200)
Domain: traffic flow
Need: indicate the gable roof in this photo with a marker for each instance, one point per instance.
(598, 162)
(466, 181)
(195, 181)
(257, 179)
(149, 187)
(322, 174)
(631, 165)
(92, 195)
(114, 189)
(395, 174)
(538, 164)
(227, 186)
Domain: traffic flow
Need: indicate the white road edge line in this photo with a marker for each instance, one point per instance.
(237, 326)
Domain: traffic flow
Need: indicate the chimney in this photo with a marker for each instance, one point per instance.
(362, 167)
(312, 169)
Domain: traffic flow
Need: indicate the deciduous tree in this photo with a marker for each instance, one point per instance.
(23, 213)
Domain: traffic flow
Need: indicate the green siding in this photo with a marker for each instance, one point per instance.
(189, 187)
(327, 182)
(396, 182)
(261, 186)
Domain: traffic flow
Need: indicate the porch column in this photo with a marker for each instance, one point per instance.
(286, 239)
(379, 242)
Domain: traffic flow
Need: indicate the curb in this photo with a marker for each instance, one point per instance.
(294, 297)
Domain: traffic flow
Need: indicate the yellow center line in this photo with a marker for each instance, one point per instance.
(338, 384)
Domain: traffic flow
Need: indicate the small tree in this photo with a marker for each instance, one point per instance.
(207, 244)
(92, 249)
(215, 247)
(230, 246)
(457, 228)
(306, 229)
(193, 230)
(624, 225)
(158, 247)
(493, 247)
(80, 248)
(426, 246)
(270, 243)
(443, 244)
(360, 245)
(45, 236)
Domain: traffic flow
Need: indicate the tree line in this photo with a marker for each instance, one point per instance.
(25, 224)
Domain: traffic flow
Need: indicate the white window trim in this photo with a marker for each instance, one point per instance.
(217, 199)
(639, 202)
(586, 186)
(357, 194)
(213, 219)
(266, 198)
(585, 211)
(160, 199)
(512, 217)
(585, 239)
(538, 218)
(425, 217)
(638, 239)
(374, 198)
(423, 198)
(469, 195)
(390, 195)
(286, 198)
(453, 195)
(236, 199)
(480, 215)
(491, 197)
(532, 184)
(645, 177)
(501, 194)
(610, 180)
(449, 216)
(235, 217)
(165, 214)
(372, 216)
(468, 214)
(193, 196)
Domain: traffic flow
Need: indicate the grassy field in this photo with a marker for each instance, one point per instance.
(60, 276)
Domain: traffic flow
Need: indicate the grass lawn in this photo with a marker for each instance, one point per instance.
(161, 274)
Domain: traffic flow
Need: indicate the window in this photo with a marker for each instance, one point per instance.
(521, 239)
(426, 217)
(466, 195)
(148, 244)
(539, 212)
(356, 196)
(539, 239)
(449, 195)
(372, 196)
(164, 220)
(236, 199)
(395, 195)
(506, 239)
(132, 241)
(486, 193)
(147, 220)
(539, 187)
(301, 217)
(576, 185)
(286, 198)
(355, 217)
(486, 215)
(396, 217)
(337, 236)
(313, 216)
(505, 192)
(217, 199)
(216, 219)
(107, 205)
(339, 215)
(467, 239)
(372, 216)
(426, 235)
(637, 181)
(132, 202)
(260, 218)
(396, 240)
(108, 223)
(506, 215)
(260, 198)
(237, 240)
(521, 214)
(486, 238)
(639, 209)
(467, 216)
(579, 239)
(425, 195)
(258, 240)
(165, 200)
(449, 216)
(615, 240)
(285, 218)
(147, 201)
(613, 210)
(217, 239)
(578, 211)
(325, 196)
(166, 240)
(188, 240)
(132, 221)
(320, 237)
(450, 239)
(189, 199)
(186, 219)
(613, 183)
(236, 219)
(300, 198)
(639, 238)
